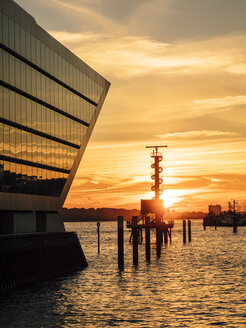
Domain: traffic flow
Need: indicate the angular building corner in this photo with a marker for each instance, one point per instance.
(50, 101)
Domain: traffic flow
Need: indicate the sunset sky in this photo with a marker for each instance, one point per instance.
(178, 77)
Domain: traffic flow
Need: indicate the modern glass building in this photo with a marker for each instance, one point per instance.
(49, 104)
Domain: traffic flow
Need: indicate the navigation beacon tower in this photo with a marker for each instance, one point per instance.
(155, 205)
(157, 156)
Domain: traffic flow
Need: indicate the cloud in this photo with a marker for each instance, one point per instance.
(163, 20)
(129, 55)
(200, 191)
(197, 134)
(216, 182)
(217, 103)
(109, 184)
(117, 192)
(192, 19)
(101, 21)
(185, 190)
(89, 184)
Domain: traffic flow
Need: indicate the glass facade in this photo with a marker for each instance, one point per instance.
(47, 104)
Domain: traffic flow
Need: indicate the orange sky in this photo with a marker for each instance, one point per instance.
(178, 77)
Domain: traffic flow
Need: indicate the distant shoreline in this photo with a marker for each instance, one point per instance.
(111, 214)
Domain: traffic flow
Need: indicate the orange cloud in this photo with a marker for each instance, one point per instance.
(197, 134)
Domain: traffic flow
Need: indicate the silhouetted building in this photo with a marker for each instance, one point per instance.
(214, 209)
(50, 101)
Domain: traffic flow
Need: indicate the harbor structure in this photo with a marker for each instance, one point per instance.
(154, 207)
(50, 102)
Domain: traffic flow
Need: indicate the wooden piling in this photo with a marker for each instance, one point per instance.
(234, 225)
(184, 231)
(120, 221)
(141, 236)
(98, 237)
(158, 241)
(147, 238)
(161, 236)
(135, 239)
(189, 230)
(170, 234)
(204, 224)
(165, 236)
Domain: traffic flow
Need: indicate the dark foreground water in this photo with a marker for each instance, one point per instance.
(200, 284)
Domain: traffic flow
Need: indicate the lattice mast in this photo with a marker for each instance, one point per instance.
(157, 156)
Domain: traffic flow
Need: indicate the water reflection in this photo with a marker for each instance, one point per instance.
(201, 284)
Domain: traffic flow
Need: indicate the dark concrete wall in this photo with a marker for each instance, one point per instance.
(26, 259)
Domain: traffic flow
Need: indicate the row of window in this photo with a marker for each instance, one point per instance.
(22, 76)
(30, 47)
(17, 178)
(26, 146)
(22, 110)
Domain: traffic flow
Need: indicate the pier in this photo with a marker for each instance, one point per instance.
(161, 229)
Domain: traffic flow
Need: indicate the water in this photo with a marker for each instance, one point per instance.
(200, 284)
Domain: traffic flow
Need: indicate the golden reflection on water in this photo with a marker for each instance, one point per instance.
(200, 284)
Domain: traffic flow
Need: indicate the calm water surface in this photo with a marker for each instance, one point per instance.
(200, 284)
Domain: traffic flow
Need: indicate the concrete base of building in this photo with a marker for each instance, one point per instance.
(14, 222)
(26, 259)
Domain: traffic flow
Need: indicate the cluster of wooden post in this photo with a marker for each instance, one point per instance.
(135, 240)
(160, 232)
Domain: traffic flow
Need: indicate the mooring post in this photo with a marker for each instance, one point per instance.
(161, 236)
(170, 235)
(158, 241)
(204, 224)
(184, 231)
(147, 238)
(189, 229)
(120, 221)
(234, 225)
(135, 239)
(98, 237)
(141, 236)
(166, 235)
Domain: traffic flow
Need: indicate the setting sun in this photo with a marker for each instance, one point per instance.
(170, 197)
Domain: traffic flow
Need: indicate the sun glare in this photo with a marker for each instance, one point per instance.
(170, 197)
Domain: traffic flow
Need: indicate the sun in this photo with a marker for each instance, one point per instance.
(170, 197)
